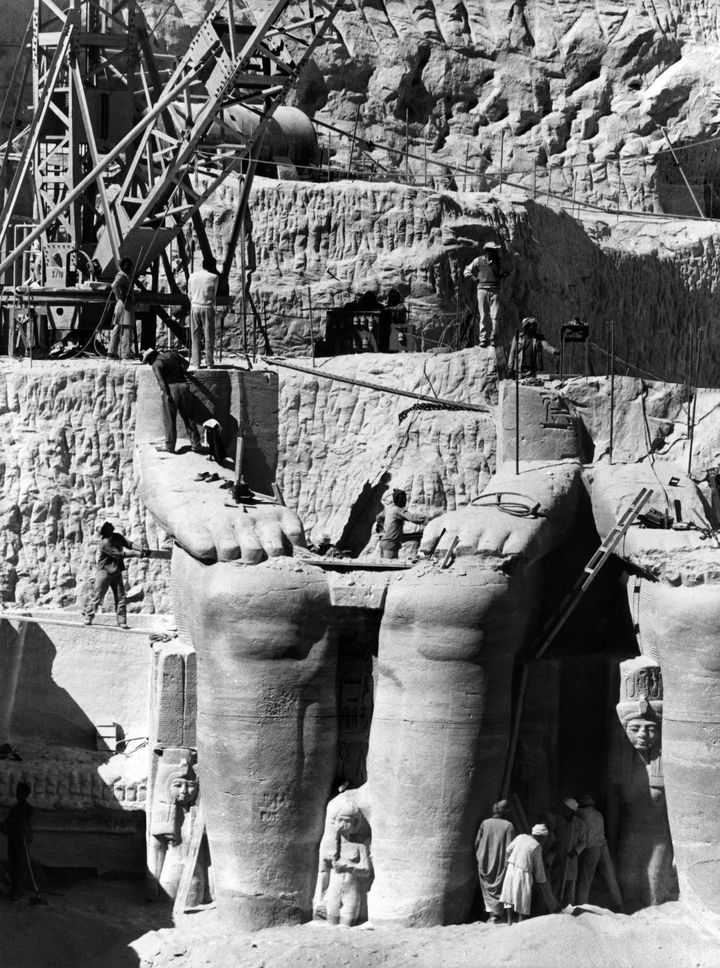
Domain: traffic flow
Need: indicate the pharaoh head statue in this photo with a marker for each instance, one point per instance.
(175, 788)
(180, 783)
(641, 703)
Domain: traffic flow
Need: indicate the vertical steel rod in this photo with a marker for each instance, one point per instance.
(517, 403)
(612, 386)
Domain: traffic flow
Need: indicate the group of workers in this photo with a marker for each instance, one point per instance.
(202, 287)
(526, 353)
(560, 857)
(529, 347)
(170, 369)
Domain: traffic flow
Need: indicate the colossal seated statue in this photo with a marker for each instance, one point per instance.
(261, 620)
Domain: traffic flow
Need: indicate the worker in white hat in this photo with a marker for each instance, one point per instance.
(488, 273)
(524, 868)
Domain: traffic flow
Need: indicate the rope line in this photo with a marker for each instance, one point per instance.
(394, 391)
(36, 619)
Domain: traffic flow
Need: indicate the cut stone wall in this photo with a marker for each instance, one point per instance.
(324, 245)
(66, 466)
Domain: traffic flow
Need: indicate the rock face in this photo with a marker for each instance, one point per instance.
(268, 635)
(569, 97)
(319, 246)
(66, 467)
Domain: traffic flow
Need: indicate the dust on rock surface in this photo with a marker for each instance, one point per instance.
(662, 936)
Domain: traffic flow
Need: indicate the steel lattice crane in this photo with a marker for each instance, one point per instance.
(117, 151)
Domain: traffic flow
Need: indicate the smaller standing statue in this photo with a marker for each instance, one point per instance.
(637, 813)
(172, 814)
(345, 870)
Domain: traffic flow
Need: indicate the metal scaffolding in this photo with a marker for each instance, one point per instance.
(117, 153)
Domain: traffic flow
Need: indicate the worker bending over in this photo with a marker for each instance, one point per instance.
(525, 868)
(170, 369)
(114, 549)
(202, 290)
(392, 522)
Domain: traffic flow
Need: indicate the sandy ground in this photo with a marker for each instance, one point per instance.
(94, 923)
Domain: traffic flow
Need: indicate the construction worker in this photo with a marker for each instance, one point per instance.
(391, 522)
(114, 549)
(493, 839)
(202, 290)
(123, 325)
(524, 869)
(17, 827)
(488, 273)
(528, 356)
(596, 855)
(571, 842)
(170, 369)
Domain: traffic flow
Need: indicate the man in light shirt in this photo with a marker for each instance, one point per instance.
(596, 855)
(202, 290)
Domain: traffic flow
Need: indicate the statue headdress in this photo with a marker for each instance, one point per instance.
(641, 690)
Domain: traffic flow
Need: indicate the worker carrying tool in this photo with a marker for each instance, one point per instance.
(488, 273)
(114, 549)
(202, 291)
(123, 324)
(170, 369)
(526, 354)
(392, 521)
(17, 827)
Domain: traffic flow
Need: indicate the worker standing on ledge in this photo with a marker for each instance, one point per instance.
(123, 324)
(202, 290)
(392, 521)
(114, 549)
(488, 273)
(169, 369)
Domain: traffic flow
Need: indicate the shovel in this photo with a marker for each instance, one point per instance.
(37, 898)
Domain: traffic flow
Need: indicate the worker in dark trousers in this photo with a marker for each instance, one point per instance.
(114, 549)
(170, 369)
(527, 354)
(391, 523)
(17, 827)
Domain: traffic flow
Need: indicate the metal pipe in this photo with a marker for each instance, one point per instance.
(682, 173)
(312, 328)
(517, 403)
(694, 406)
(612, 386)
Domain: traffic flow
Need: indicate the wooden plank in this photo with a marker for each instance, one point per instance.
(180, 905)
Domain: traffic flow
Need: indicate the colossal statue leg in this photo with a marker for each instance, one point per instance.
(266, 687)
(678, 607)
(266, 683)
(267, 734)
(441, 724)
